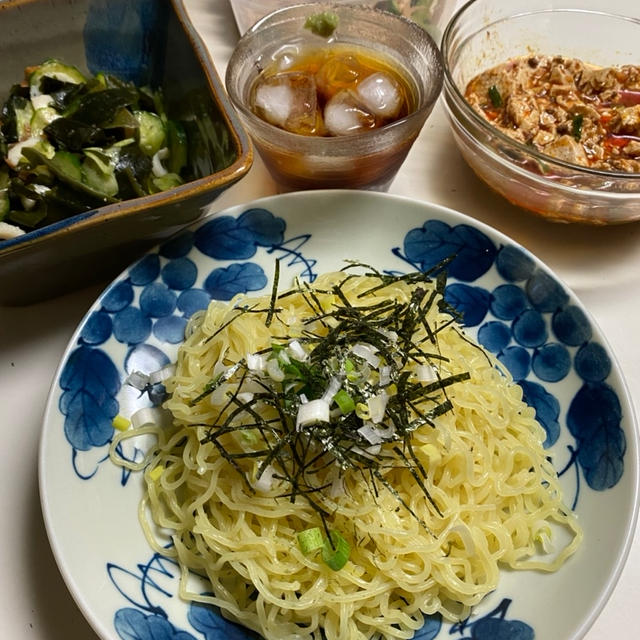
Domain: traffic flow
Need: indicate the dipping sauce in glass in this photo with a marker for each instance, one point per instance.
(338, 109)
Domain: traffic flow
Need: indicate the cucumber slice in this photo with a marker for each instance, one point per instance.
(99, 182)
(53, 68)
(18, 154)
(99, 172)
(152, 132)
(24, 115)
(41, 118)
(168, 181)
(68, 168)
(102, 159)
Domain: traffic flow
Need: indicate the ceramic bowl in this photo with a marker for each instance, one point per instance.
(147, 42)
(514, 305)
(485, 33)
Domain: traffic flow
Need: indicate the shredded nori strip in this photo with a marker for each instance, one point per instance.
(274, 294)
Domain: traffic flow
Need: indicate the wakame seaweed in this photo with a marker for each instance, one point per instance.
(72, 143)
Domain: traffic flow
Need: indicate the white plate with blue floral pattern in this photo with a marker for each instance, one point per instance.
(512, 302)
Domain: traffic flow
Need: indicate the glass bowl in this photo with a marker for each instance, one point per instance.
(485, 33)
(367, 160)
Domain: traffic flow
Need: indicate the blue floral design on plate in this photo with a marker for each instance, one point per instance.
(517, 309)
(132, 624)
(146, 619)
(155, 299)
(494, 626)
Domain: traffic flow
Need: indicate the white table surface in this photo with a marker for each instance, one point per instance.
(602, 266)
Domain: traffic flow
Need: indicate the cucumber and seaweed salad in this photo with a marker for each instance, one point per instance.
(71, 143)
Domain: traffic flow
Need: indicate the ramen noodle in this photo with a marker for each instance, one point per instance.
(344, 460)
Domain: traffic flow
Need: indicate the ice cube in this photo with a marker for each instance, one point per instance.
(380, 94)
(343, 115)
(288, 100)
(338, 72)
(286, 56)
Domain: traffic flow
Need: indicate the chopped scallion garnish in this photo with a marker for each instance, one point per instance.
(121, 423)
(155, 473)
(335, 553)
(576, 126)
(495, 97)
(362, 411)
(345, 402)
(310, 540)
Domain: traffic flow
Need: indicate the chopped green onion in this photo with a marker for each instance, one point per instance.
(349, 365)
(274, 371)
(494, 96)
(576, 126)
(249, 437)
(345, 402)
(336, 553)
(362, 411)
(543, 537)
(121, 423)
(313, 412)
(155, 473)
(292, 371)
(310, 540)
(276, 350)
